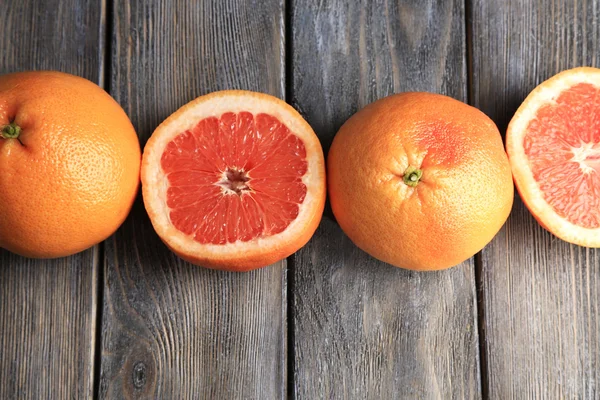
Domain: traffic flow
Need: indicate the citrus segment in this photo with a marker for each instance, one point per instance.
(553, 143)
(238, 186)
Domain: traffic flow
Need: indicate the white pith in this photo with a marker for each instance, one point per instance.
(222, 183)
(517, 129)
(156, 183)
(587, 155)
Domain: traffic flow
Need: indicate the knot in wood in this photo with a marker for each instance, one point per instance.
(139, 375)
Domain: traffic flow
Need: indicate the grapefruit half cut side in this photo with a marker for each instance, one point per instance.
(553, 144)
(234, 180)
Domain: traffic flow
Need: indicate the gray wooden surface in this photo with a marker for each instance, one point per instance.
(540, 295)
(170, 329)
(129, 320)
(48, 307)
(364, 329)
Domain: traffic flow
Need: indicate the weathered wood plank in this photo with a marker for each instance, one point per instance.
(363, 329)
(172, 330)
(540, 314)
(48, 307)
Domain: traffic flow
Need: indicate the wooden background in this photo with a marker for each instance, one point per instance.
(129, 320)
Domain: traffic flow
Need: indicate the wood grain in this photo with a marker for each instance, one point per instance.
(48, 307)
(540, 314)
(172, 330)
(364, 329)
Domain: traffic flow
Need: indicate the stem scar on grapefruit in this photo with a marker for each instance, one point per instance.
(234, 180)
(553, 144)
(419, 180)
(70, 162)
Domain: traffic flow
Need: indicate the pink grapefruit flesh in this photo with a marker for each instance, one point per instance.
(236, 177)
(553, 143)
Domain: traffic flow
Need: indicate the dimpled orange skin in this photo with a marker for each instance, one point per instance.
(461, 201)
(72, 182)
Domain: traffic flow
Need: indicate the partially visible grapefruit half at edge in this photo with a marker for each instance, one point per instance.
(553, 144)
(234, 180)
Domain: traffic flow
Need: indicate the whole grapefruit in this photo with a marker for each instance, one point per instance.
(69, 162)
(419, 180)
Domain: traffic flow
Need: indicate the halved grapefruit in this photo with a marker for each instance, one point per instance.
(234, 180)
(553, 144)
